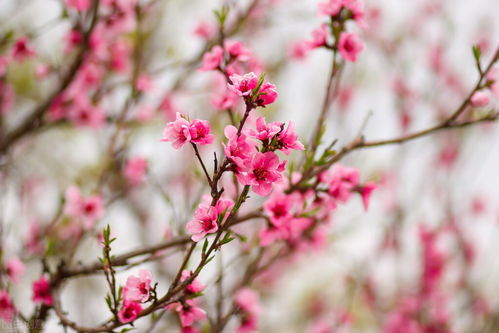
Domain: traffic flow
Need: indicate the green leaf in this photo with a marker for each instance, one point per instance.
(221, 14)
(242, 238)
(205, 245)
(258, 86)
(477, 53)
(209, 259)
(227, 238)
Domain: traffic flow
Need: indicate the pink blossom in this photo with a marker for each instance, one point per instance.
(7, 309)
(479, 99)
(90, 75)
(279, 207)
(204, 222)
(120, 53)
(137, 289)
(265, 132)
(342, 180)
(237, 50)
(350, 46)
(266, 95)
(238, 149)
(249, 303)
(41, 291)
(168, 106)
(22, 50)
(190, 329)
(262, 172)
(224, 101)
(356, 8)
(270, 235)
(212, 59)
(331, 7)
(433, 260)
(299, 50)
(144, 83)
(366, 192)
(15, 269)
(205, 30)
(206, 217)
(135, 170)
(319, 37)
(181, 131)
(195, 286)
(129, 312)
(71, 39)
(243, 85)
(82, 113)
(200, 132)
(189, 312)
(42, 70)
(177, 131)
(87, 209)
(79, 5)
(288, 139)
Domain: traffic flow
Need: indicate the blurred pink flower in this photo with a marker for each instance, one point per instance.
(7, 310)
(86, 209)
(189, 312)
(479, 99)
(350, 46)
(15, 269)
(135, 170)
(41, 291)
(22, 50)
(212, 59)
(79, 5)
(129, 312)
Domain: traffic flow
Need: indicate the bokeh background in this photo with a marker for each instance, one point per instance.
(417, 67)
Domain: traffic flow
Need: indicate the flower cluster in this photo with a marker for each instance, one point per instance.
(137, 290)
(233, 58)
(189, 313)
(260, 169)
(334, 35)
(253, 89)
(182, 131)
(292, 216)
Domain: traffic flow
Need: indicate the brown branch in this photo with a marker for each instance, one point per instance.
(122, 260)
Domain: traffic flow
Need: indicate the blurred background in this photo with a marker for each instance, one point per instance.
(416, 69)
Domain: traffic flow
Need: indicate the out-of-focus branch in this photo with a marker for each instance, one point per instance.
(449, 123)
(123, 259)
(35, 119)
